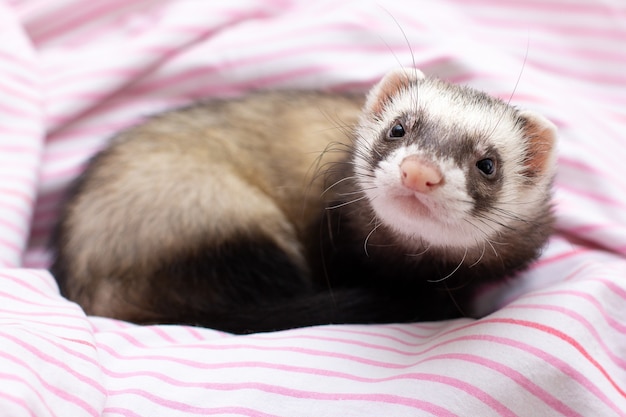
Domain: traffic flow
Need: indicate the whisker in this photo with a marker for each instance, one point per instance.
(360, 191)
(451, 273)
(376, 226)
(338, 182)
(517, 81)
(427, 248)
(345, 203)
(486, 238)
(480, 258)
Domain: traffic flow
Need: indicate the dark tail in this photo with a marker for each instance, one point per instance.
(341, 306)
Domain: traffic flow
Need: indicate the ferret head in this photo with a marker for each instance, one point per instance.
(450, 167)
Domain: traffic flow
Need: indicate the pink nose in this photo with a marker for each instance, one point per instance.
(419, 175)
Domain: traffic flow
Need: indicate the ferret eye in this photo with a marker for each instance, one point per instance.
(487, 166)
(397, 131)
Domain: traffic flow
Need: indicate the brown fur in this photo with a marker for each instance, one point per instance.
(197, 177)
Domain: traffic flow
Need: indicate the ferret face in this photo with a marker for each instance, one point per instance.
(449, 166)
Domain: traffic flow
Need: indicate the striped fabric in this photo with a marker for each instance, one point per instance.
(73, 72)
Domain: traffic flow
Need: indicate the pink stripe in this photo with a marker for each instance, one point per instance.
(19, 402)
(599, 198)
(619, 117)
(162, 334)
(26, 315)
(18, 228)
(591, 169)
(186, 77)
(227, 17)
(10, 248)
(556, 27)
(376, 334)
(509, 7)
(602, 239)
(619, 291)
(377, 398)
(288, 392)
(68, 19)
(581, 273)
(194, 333)
(255, 83)
(273, 366)
(166, 32)
(610, 135)
(55, 362)
(26, 198)
(77, 354)
(29, 163)
(21, 282)
(43, 277)
(590, 228)
(61, 393)
(60, 305)
(514, 375)
(20, 131)
(581, 320)
(14, 91)
(559, 257)
(218, 410)
(609, 319)
(128, 338)
(244, 61)
(582, 379)
(571, 372)
(24, 78)
(470, 389)
(568, 340)
(120, 411)
(82, 133)
(25, 63)
(583, 53)
(123, 73)
(34, 390)
(348, 341)
(620, 249)
(285, 349)
(29, 149)
(73, 328)
(296, 370)
(191, 77)
(590, 75)
(518, 97)
(235, 15)
(6, 109)
(36, 277)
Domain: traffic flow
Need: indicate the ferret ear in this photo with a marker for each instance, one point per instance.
(391, 84)
(542, 136)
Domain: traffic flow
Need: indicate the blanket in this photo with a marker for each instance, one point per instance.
(552, 341)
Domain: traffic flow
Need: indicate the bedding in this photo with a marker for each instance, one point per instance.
(552, 341)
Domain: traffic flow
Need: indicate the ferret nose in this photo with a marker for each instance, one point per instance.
(419, 175)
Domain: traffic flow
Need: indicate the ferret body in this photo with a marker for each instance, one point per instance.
(287, 209)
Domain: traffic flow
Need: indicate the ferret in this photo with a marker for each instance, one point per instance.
(286, 209)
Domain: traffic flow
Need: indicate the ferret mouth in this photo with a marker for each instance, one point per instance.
(414, 207)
